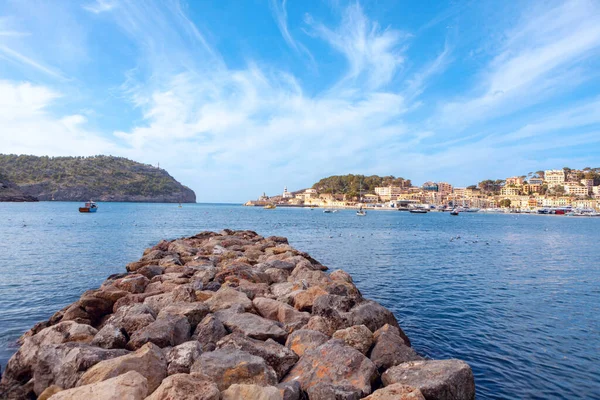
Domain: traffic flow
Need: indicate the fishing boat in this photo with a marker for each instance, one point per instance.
(418, 211)
(270, 207)
(90, 207)
(454, 212)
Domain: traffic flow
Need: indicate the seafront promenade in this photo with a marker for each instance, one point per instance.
(229, 315)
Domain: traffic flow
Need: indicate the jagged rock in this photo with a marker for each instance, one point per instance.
(334, 363)
(19, 367)
(132, 299)
(168, 330)
(159, 301)
(132, 318)
(254, 392)
(303, 340)
(63, 364)
(396, 391)
(290, 390)
(130, 385)
(436, 379)
(277, 275)
(278, 311)
(134, 283)
(357, 336)
(390, 349)
(323, 325)
(252, 326)
(180, 358)
(328, 391)
(340, 275)
(208, 332)
(228, 366)
(186, 387)
(49, 392)
(149, 361)
(326, 304)
(150, 271)
(278, 357)
(373, 315)
(226, 297)
(253, 290)
(110, 337)
(194, 312)
(304, 300)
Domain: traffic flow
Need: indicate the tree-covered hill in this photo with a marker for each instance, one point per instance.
(350, 185)
(11, 192)
(100, 178)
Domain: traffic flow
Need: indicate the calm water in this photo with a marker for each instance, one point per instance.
(517, 296)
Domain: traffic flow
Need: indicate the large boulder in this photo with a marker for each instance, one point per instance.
(278, 311)
(334, 363)
(149, 361)
(396, 391)
(63, 364)
(134, 283)
(304, 300)
(130, 318)
(169, 330)
(130, 385)
(329, 390)
(436, 379)
(278, 357)
(373, 315)
(303, 340)
(390, 349)
(110, 337)
(208, 332)
(229, 366)
(186, 387)
(19, 367)
(253, 392)
(194, 312)
(357, 336)
(252, 325)
(180, 358)
(226, 297)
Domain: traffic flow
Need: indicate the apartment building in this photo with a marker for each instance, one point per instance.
(554, 177)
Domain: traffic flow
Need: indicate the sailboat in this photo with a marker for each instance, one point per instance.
(360, 211)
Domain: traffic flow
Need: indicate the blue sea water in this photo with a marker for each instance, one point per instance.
(516, 296)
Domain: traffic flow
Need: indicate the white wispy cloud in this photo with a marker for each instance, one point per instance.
(14, 56)
(100, 6)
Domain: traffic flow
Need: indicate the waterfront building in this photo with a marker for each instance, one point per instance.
(510, 191)
(370, 198)
(444, 188)
(310, 194)
(387, 193)
(459, 192)
(286, 194)
(536, 181)
(515, 180)
(264, 197)
(300, 196)
(576, 189)
(554, 177)
(532, 188)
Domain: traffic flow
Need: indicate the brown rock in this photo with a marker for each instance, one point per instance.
(278, 311)
(436, 379)
(63, 364)
(49, 392)
(135, 283)
(186, 387)
(396, 391)
(180, 358)
(150, 271)
(149, 361)
(390, 349)
(290, 390)
(278, 357)
(130, 385)
(340, 275)
(334, 363)
(357, 336)
(254, 392)
(304, 300)
(194, 312)
(168, 330)
(373, 315)
(226, 297)
(323, 325)
(159, 301)
(303, 340)
(131, 318)
(208, 332)
(252, 325)
(327, 391)
(227, 367)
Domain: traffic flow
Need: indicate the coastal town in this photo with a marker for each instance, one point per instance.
(556, 191)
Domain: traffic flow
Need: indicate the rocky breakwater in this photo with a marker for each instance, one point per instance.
(228, 315)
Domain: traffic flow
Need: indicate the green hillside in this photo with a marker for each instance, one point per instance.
(351, 184)
(101, 178)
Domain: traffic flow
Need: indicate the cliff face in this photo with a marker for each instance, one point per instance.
(11, 192)
(101, 178)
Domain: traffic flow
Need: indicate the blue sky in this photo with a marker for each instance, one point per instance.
(235, 98)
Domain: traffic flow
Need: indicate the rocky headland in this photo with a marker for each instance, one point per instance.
(228, 315)
(100, 178)
(11, 192)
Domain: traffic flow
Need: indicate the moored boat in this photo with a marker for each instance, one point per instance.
(270, 207)
(418, 211)
(454, 212)
(90, 207)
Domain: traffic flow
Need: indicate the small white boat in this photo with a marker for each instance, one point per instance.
(361, 213)
(418, 211)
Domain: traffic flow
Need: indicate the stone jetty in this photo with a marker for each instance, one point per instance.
(229, 315)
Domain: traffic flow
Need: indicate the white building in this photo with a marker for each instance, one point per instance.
(388, 192)
(554, 177)
(286, 194)
(576, 189)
